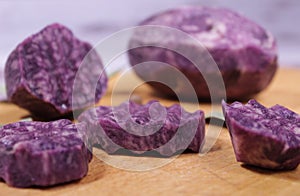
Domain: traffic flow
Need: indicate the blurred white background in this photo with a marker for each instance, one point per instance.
(93, 20)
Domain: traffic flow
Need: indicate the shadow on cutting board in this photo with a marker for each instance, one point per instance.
(287, 174)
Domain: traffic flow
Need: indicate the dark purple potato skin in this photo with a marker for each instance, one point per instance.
(245, 53)
(106, 131)
(40, 73)
(42, 153)
(264, 137)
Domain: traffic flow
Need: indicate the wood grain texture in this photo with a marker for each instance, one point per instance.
(216, 173)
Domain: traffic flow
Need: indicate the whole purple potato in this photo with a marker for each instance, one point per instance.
(40, 73)
(244, 51)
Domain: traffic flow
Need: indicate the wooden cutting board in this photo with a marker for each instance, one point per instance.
(214, 173)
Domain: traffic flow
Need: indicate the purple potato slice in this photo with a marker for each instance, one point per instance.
(145, 128)
(40, 73)
(246, 54)
(42, 153)
(264, 137)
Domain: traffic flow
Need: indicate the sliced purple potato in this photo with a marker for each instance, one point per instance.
(246, 54)
(264, 137)
(145, 128)
(40, 73)
(42, 154)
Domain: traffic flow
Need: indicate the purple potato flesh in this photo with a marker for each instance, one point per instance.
(40, 73)
(170, 130)
(246, 54)
(42, 154)
(264, 137)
